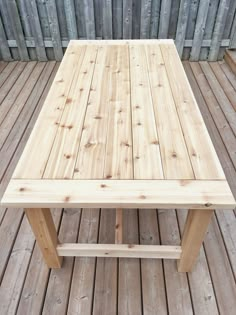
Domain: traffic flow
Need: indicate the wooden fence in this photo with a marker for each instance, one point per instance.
(41, 29)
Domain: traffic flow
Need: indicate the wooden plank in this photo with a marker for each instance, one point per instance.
(62, 158)
(36, 279)
(210, 22)
(107, 28)
(17, 29)
(8, 233)
(89, 19)
(230, 59)
(228, 72)
(233, 36)
(45, 233)
(3, 65)
(117, 12)
(174, 14)
(4, 48)
(225, 83)
(175, 159)
(129, 277)
(185, 194)
(54, 28)
(177, 288)
(155, 16)
(216, 112)
(225, 291)
(119, 250)
(218, 29)
(118, 160)
(127, 19)
(105, 289)
(199, 29)
(136, 16)
(199, 145)
(153, 295)
(91, 151)
(7, 73)
(204, 300)
(219, 93)
(146, 148)
(221, 150)
(51, 114)
(182, 25)
(36, 29)
(20, 101)
(145, 20)
(119, 226)
(16, 269)
(83, 278)
(58, 287)
(69, 6)
(164, 19)
(194, 232)
(98, 12)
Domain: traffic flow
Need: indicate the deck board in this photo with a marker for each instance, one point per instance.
(25, 281)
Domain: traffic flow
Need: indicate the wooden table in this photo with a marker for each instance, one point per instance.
(120, 128)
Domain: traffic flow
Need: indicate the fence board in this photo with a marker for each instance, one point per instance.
(218, 29)
(107, 19)
(4, 49)
(127, 19)
(164, 18)
(89, 19)
(36, 30)
(182, 25)
(146, 6)
(155, 16)
(71, 19)
(117, 19)
(136, 16)
(174, 14)
(199, 29)
(17, 29)
(54, 28)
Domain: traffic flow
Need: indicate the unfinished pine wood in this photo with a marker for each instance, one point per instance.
(45, 233)
(184, 194)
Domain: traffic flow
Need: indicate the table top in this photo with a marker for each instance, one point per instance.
(120, 114)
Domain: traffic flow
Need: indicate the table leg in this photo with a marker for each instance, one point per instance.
(194, 231)
(45, 233)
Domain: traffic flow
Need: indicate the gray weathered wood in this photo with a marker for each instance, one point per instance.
(98, 17)
(218, 29)
(71, 19)
(127, 19)
(117, 19)
(17, 29)
(89, 19)
(164, 18)
(155, 16)
(182, 25)
(174, 14)
(54, 28)
(36, 30)
(4, 48)
(233, 36)
(199, 29)
(146, 6)
(136, 16)
(107, 29)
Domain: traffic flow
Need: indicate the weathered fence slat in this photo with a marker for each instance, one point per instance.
(107, 19)
(117, 19)
(37, 31)
(218, 29)
(89, 19)
(127, 19)
(4, 48)
(54, 28)
(164, 18)
(182, 25)
(199, 29)
(71, 19)
(155, 16)
(17, 29)
(233, 36)
(145, 21)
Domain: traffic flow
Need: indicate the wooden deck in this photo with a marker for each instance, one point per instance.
(115, 286)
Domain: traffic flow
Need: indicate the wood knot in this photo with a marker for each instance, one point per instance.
(137, 157)
(70, 127)
(67, 156)
(131, 245)
(22, 189)
(139, 124)
(142, 197)
(159, 85)
(76, 170)
(108, 176)
(155, 142)
(67, 199)
(120, 111)
(81, 89)
(194, 154)
(140, 84)
(137, 106)
(103, 186)
(97, 117)
(208, 204)
(69, 100)
(88, 145)
(85, 72)
(174, 155)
